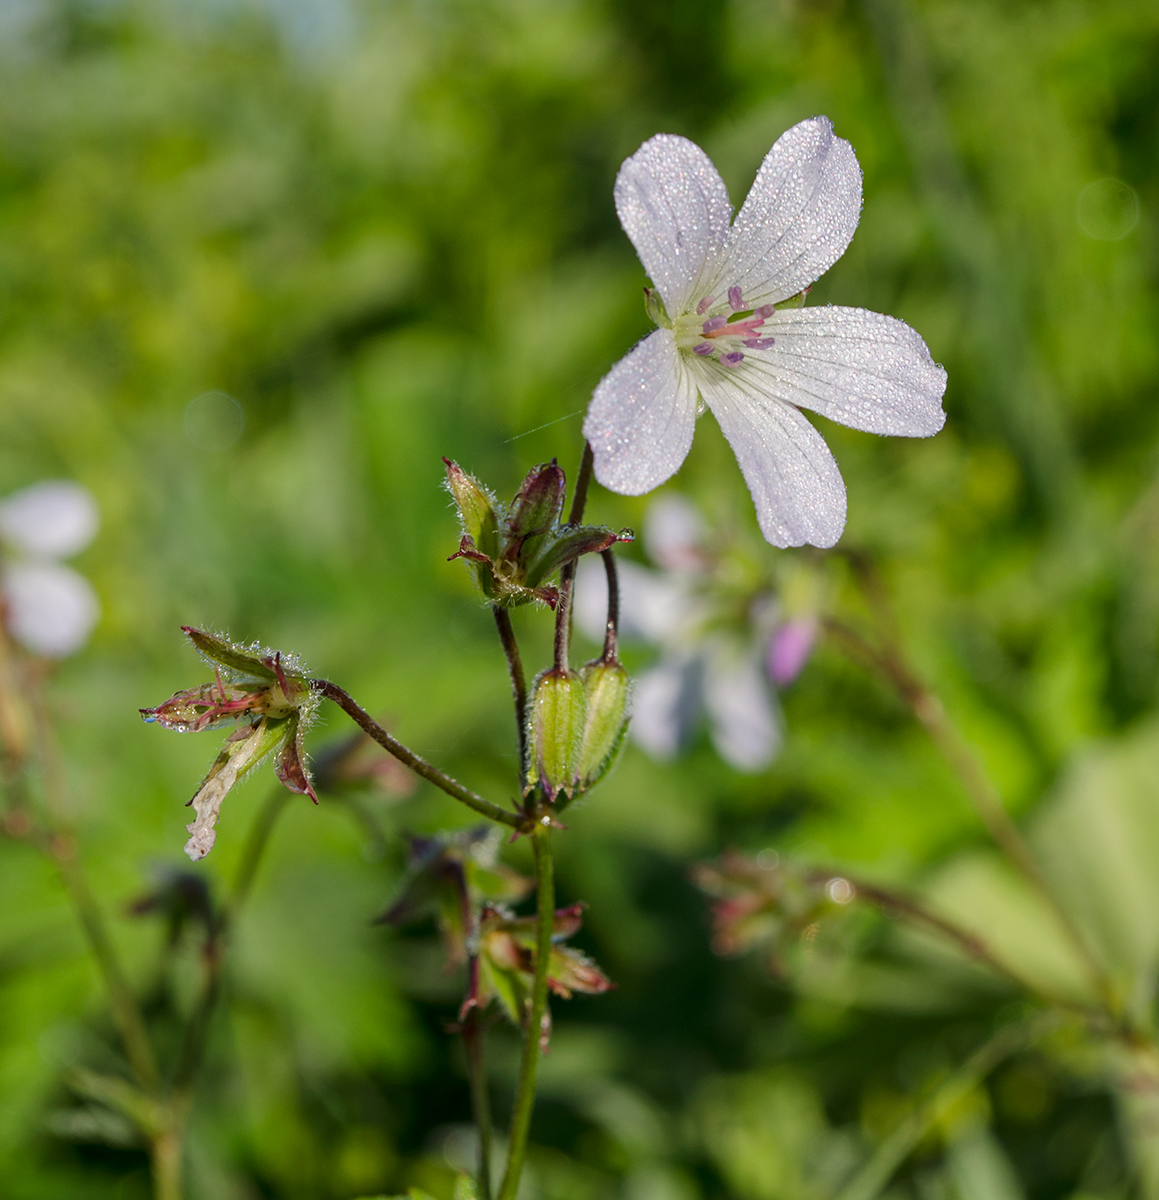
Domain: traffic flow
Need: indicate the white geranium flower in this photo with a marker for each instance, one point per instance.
(47, 607)
(707, 663)
(722, 335)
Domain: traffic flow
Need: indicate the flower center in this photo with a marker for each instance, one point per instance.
(719, 330)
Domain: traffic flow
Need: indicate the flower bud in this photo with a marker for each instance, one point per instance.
(535, 511)
(605, 684)
(557, 725)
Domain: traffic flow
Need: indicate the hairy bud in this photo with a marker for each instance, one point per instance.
(515, 551)
(557, 726)
(606, 687)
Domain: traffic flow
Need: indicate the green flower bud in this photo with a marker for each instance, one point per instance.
(557, 725)
(605, 686)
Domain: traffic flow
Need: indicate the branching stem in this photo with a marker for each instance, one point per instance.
(567, 575)
(408, 758)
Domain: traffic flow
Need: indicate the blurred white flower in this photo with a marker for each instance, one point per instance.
(47, 607)
(710, 662)
(723, 337)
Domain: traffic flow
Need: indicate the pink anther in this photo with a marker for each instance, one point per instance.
(704, 305)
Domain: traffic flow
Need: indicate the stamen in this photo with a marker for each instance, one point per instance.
(704, 305)
(702, 349)
(713, 324)
(733, 359)
(759, 343)
(765, 311)
(734, 299)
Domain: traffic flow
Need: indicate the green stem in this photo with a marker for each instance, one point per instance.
(525, 1096)
(165, 1159)
(126, 1013)
(418, 765)
(869, 1181)
(473, 1033)
(258, 838)
(518, 682)
(983, 795)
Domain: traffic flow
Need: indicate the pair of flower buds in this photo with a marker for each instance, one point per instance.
(577, 719)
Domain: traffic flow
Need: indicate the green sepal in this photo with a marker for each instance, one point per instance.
(655, 308)
(229, 654)
(477, 508)
(566, 546)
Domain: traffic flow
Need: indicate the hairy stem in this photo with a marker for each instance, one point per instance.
(518, 682)
(983, 795)
(583, 481)
(612, 633)
(419, 765)
(473, 1034)
(525, 1096)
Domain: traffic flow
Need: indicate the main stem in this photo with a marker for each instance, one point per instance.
(418, 765)
(473, 1033)
(525, 1096)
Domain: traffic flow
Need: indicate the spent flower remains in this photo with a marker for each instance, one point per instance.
(732, 330)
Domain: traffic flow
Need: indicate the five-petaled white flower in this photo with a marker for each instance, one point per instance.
(755, 365)
(47, 607)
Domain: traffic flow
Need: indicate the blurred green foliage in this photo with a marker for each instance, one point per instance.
(262, 265)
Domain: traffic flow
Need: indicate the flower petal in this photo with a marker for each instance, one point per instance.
(48, 608)
(793, 479)
(746, 729)
(653, 606)
(799, 216)
(674, 533)
(664, 704)
(53, 519)
(856, 367)
(641, 417)
(674, 206)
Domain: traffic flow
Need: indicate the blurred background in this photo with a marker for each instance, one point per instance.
(262, 264)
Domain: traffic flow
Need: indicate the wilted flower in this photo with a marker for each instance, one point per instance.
(764, 902)
(271, 701)
(450, 875)
(504, 967)
(716, 628)
(727, 302)
(47, 607)
(515, 550)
